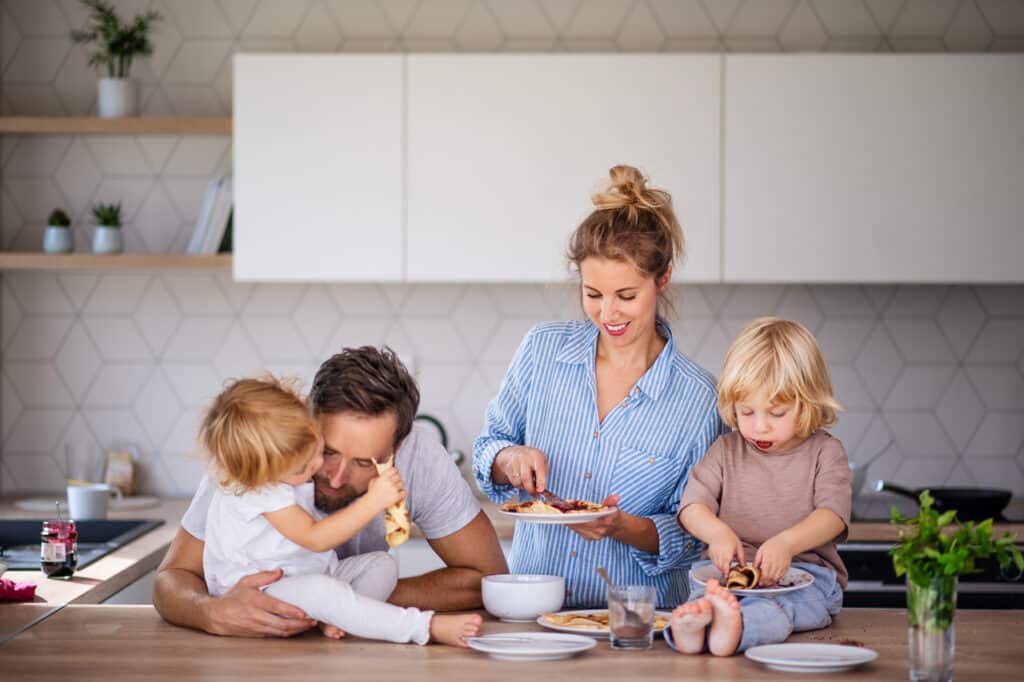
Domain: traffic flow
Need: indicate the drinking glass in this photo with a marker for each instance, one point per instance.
(631, 616)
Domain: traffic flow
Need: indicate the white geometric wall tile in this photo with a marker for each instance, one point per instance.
(157, 316)
(749, 302)
(802, 31)
(998, 343)
(38, 384)
(275, 19)
(77, 287)
(157, 406)
(919, 434)
(523, 19)
(968, 32)
(10, 315)
(850, 428)
(435, 341)
(79, 455)
(198, 295)
(157, 222)
(919, 388)
(493, 374)
(512, 45)
(431, 300)
(440, 384)
(960, 476)
(130, 193)
(38, 338)
(923, 45)
(436, 20)
(919, 472)
(682, 18)
(920, 341)
(197, 339)
(849, 390)
(759, 18)
(640, 30)
(470, 404)
(876, 444)
(186, 470)
(118, 154)
(1006, 15)
(183, 438)
(117, 385)
(563, 300)
(589, 45)
(924, 18)
(885, 12)
(916, 301)
(197, 155)
(10, 36)
(732, 326)
(195, 385)
(689, 334)
(402, 344)
(506, 340)
(36, 60)
(316, 318)
(36, 156)
(688, 301)
(300, 372)
(317, 33)
(37, 17)
(1000, 434)
(362, 18)
(39, 294)
(878, 363)
(31, 100)
(31, 472)
(37, 430)
(197, 62)
(274, 299)
(560, 12)
(34, 198)
(474, 319)
(117, 425)
(713, 347)
(1000, 389)
(78, 177)
(395, 293)
(519, 300)
(842, 301)
(842, 339)
(855, 44)
(360, 300)
(237, 356)
(355, 332)
(187, 195)
(276, 338)
(78, 361)
(1002, 300)
(117, 338)
(479, 31)
(198, 19)
(117, 294)
(960, 318)
(997, 472)
(10, 407)
(194, 100)
(797, 304)
(960, 410)
(845, 18)
(158, 149)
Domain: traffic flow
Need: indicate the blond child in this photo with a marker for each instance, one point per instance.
(774, 492)
(263, 448)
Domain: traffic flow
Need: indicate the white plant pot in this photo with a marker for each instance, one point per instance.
(107, 240)
(58, 239)
(117, 97)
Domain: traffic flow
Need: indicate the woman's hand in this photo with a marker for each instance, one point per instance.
(522, 467)
(603, 527)
(773, 559)
(724, 546)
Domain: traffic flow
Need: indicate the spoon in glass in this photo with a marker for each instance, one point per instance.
(632, 618)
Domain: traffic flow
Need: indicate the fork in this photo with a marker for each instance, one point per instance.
(549, 496)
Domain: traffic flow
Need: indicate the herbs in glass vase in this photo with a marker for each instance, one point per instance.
(935, 548)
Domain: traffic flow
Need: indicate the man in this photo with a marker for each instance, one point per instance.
(365, 401)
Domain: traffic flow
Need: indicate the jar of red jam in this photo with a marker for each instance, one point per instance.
(58, 549)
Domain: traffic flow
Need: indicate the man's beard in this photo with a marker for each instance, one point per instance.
(343, 496)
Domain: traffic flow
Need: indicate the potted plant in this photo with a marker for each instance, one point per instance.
(117, 43)
(934, 550)
(57, 237)
(107, 237)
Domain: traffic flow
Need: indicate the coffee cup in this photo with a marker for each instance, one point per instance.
(90, 501)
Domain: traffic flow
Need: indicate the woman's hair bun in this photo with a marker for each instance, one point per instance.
(628, 187)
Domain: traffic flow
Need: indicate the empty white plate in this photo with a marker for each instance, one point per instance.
(531, 646)
(810, 658)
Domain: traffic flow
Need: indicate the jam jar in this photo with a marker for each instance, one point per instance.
(58, 549)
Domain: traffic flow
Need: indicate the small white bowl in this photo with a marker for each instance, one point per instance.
(521, 598)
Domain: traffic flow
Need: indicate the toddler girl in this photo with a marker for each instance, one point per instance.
(773, 492)
(264, 447)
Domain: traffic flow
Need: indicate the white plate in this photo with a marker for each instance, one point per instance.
(591, 632)
(810, 658)
(45, 504)
(795, 579)
(530, 646)
(562, 519)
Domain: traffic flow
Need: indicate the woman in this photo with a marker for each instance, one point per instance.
(606, 409)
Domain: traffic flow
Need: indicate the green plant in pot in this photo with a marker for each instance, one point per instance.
(57, 237)
(934, 550)
(118, 43)
(107, 236)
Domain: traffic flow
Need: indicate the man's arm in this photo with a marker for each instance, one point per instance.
(470, 553)
(180, 597)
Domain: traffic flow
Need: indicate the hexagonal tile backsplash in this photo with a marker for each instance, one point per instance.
(932, 377)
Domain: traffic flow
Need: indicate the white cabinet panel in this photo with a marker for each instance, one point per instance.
(318, 167)
(872, 168)
(505, 150)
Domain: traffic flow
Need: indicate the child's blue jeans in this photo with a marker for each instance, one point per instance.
(771, 619)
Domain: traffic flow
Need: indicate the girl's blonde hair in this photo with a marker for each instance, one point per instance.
(784, 357)
(256, 431)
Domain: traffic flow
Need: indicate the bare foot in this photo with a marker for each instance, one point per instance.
(455, 628)
(331, 631)
(726, 621)
(689, 621)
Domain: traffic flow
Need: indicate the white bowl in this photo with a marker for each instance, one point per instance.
(521, 598)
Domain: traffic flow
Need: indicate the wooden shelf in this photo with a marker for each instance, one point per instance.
(90, 125)
(120, 261)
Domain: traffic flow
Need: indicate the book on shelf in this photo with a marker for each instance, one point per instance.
(214, 217)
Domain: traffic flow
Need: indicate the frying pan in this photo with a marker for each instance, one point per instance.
(972, 504)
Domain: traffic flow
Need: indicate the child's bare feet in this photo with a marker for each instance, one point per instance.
(689, 622)
(455, 628)
(726, 621)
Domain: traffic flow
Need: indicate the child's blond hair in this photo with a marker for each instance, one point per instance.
(256, 431)
(783, 356)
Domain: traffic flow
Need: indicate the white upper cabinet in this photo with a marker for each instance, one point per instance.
(504, 152)
(873, 168)
(318, 167)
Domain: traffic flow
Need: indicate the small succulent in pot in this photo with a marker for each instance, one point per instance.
(107, 215)
(57, 237)
(107, 237)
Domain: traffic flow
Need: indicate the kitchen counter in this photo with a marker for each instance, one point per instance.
(123, 642)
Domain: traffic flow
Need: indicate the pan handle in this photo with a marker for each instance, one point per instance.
(885, 486)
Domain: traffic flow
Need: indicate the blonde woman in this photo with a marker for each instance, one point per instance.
(606, 409)
(774, 492)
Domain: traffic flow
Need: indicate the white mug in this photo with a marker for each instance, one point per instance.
(90, 501)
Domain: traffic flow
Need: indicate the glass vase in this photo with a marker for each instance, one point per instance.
(931, 605)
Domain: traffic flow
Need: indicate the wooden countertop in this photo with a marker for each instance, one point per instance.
(122, 642)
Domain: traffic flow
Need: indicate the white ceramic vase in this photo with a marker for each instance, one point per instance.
(107, 240)
(58, 239)
(118, 97)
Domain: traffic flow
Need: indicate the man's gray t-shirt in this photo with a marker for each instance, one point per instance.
(440, 501)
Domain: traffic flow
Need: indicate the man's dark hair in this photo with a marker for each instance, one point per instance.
(367, 380)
